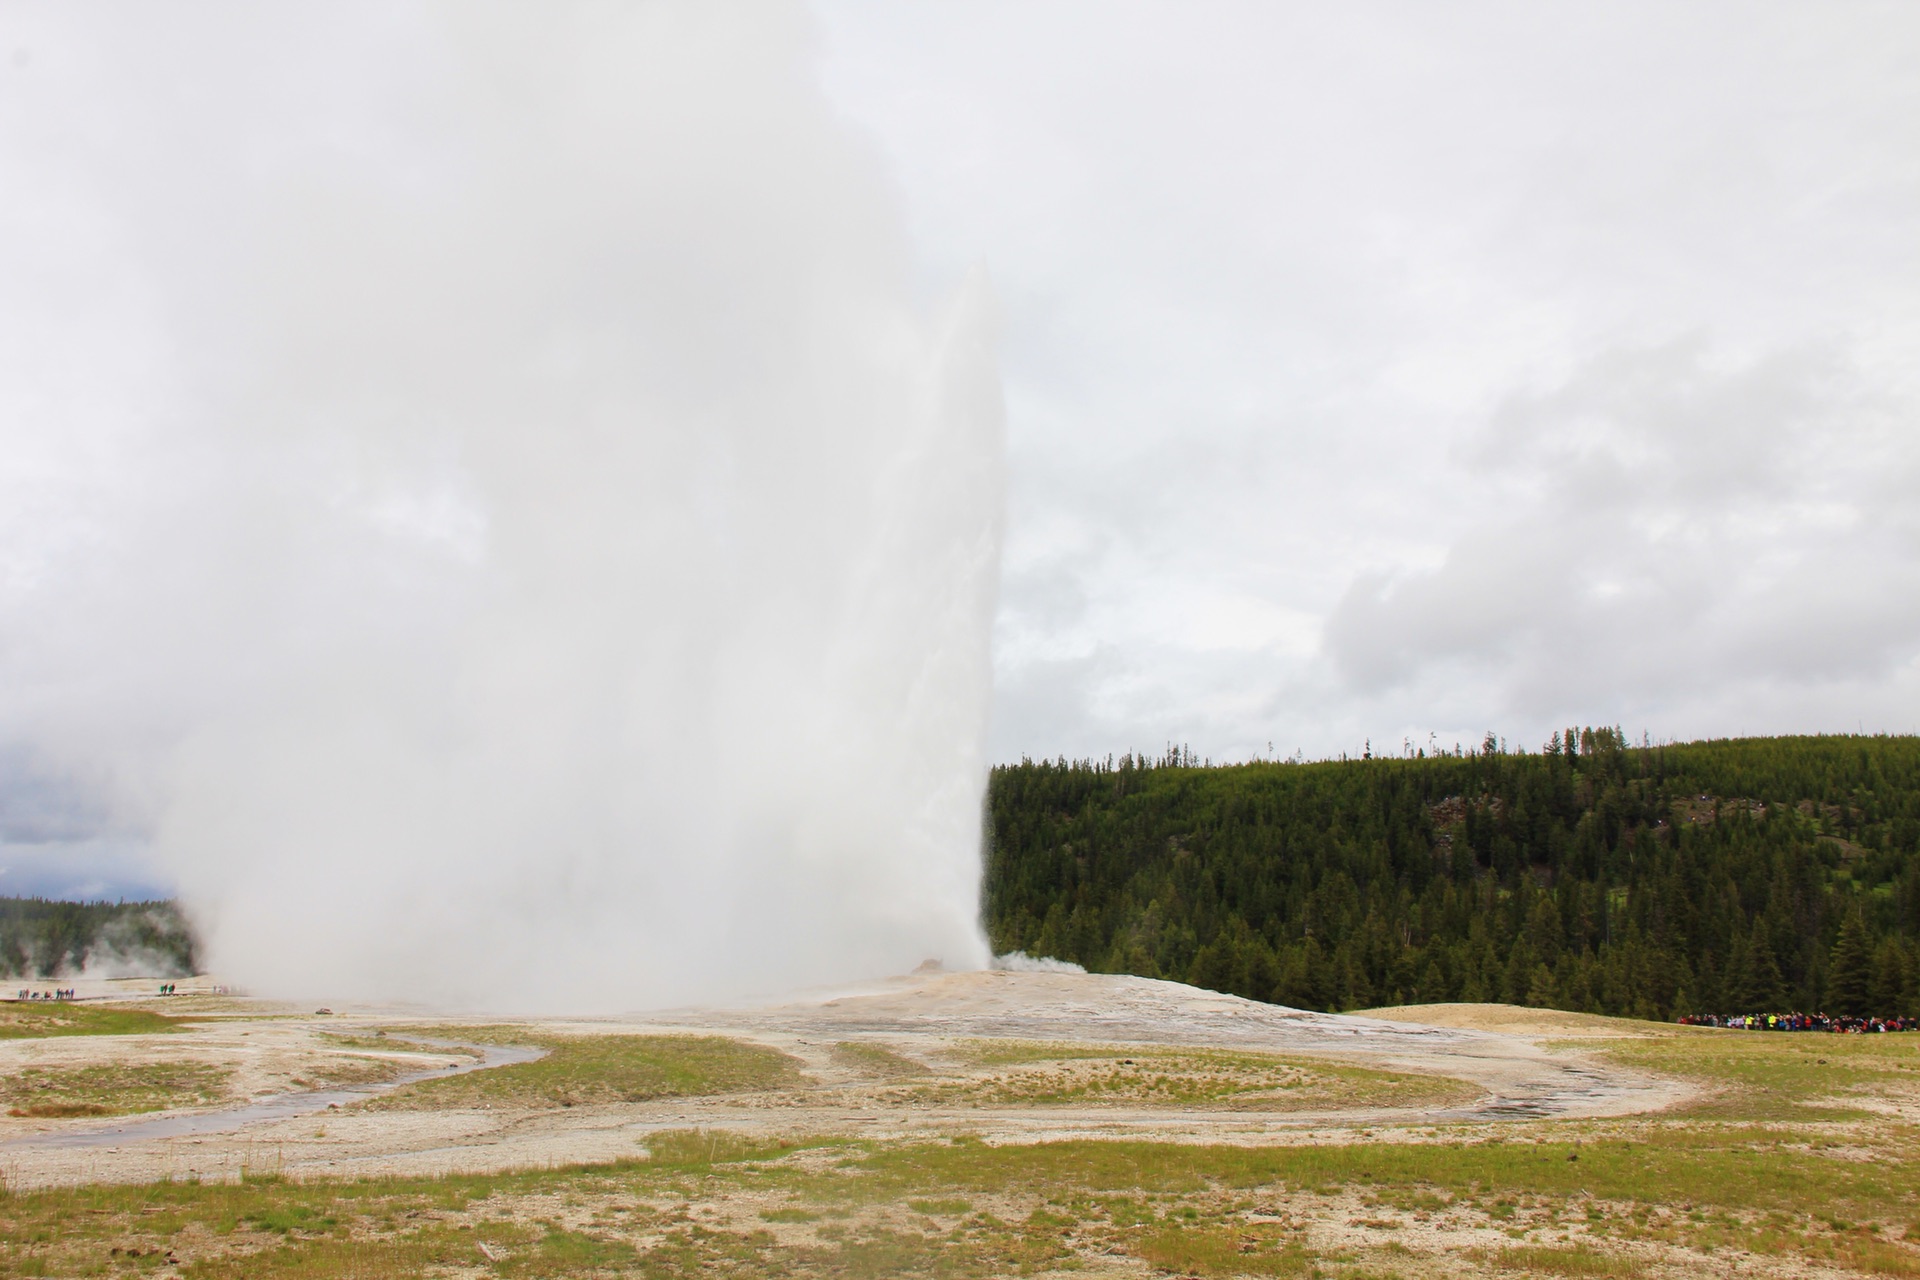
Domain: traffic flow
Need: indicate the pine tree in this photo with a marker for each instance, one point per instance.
(1850, 972)
(1519, 973)
(1763, 985)
(1544, 930)
(1889, 977)
(1739, 974)
(1540, 987)
(1356, 992)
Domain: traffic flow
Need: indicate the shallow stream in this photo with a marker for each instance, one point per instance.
(281, 1106)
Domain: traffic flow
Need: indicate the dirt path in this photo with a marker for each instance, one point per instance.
(929, 1015)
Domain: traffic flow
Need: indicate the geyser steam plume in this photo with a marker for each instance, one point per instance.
(535, 552)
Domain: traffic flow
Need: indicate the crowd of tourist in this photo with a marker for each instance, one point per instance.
(71, 993)
(1798, 1022)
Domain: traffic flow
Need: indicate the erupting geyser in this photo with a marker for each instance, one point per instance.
(566, 551)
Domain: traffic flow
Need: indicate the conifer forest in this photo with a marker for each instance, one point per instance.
(47, 938)
(1651, 881)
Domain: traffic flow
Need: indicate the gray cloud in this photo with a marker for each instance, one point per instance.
(1672, 525)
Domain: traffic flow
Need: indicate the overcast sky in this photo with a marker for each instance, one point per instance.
(1408, 371)
(1374, 372)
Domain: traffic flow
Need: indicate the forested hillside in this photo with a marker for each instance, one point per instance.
(1754, 874)
(40, 938)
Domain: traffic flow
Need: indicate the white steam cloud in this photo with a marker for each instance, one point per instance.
(487, 493)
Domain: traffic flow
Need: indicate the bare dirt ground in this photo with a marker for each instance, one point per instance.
(1485, 1065)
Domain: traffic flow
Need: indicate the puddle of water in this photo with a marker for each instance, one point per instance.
(281, 1106)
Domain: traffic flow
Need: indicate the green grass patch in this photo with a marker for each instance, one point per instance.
(876, 1060)
(1776, 1075)
(940, 1208)
(704, 1148)
(575, 1253)
(1007, 1053)
(110, 1089)
(788, 1215)
(1576, 1260)
(290, 1219)
(1041, 1075)
(381, 1042)
(1737, 1169)
(587, 1070)
(1191, 1248)
(341, 1071)
(31, 1020)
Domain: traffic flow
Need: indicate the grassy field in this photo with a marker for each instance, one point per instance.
(1803, 1161)
(877, 1060)
(581, 1070)
(1017, 1074)
(59, 1018)
(709, 1205)
(1782, 1076)
(110, 1090)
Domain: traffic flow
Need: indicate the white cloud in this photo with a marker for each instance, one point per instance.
(1544, 363)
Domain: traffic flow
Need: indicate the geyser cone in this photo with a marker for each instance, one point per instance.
(597, 546)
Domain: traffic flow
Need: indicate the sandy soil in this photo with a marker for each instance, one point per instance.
(922, 1017)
